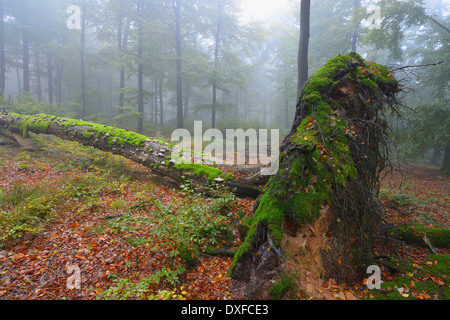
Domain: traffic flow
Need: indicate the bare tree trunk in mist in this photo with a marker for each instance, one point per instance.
(355, 34)
(25, 49)
(2, 52)
(216, 61)
(140, 69)
(176, 5)
(49, 77)
(305, 10)
(83, 75)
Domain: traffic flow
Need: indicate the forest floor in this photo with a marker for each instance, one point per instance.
(68, 211)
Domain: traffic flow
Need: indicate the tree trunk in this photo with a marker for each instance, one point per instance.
(216, 62)
(318, 213)
(38, 72)
(82, 56)
(2, 51)
(161, 106)
(49, 77)
(122, 70)
(187, 99)
(176, 5)
(156, 103)
(151, 153)
(59, 77)
(25, 49)
(140, 96)
(305, 10)
(355, 34)
(122, 45)
(446, 163)
(19, 83)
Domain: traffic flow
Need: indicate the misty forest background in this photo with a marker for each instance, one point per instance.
(153, 66)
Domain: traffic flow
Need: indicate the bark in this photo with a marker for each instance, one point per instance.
(19, 84)
(25, 49)
(187, 99)
(140, 97)
(320, 208)
(49, 77)
(156, 103)
(303, 44)
(82, 58)
(161, 106)
(38, 72)
(59, 77)
(439, 24)
(151, 153)
(446, 163)
(176, 5)
(122, 43)
(216, 62)
(357, 4)
(2, 52)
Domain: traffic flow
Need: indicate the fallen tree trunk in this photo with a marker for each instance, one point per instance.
(242, 180)
(320, 210)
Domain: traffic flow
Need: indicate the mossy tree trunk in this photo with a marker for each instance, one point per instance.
(152, 153)
(320, 209)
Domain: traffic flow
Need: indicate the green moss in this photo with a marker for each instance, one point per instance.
(414, 234)
(303, 184)
(38, 124)
(281, 286)
(87, 135)
(200, 170)
(415, 282)
(115, 136)
(306, 207)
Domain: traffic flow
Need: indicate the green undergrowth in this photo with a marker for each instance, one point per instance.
(318, 154)
(414, 234)
(26, 209)
(425, 281)
(187, 224)
(281, 287)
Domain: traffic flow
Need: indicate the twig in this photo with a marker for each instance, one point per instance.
(418, 66)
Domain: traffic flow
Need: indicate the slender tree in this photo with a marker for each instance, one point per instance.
(140, 11)
(161, 107)
(49, 76)
(176, 5)
(357, 4)
(216, 62)
(2, 51)
(25, 48)
(122, 40)
(38, 71)
(305, 12)
(82, 53)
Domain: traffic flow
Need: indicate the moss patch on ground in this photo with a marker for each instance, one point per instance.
(427, 281)
(200, 170)
(414, 234)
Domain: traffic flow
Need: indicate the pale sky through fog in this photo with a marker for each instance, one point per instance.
(264, 10)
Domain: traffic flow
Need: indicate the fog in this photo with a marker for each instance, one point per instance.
(153, 66)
